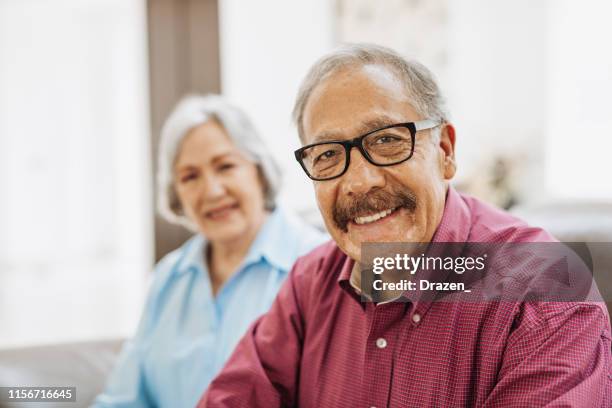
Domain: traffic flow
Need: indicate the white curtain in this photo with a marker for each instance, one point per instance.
(75, 233)
(579, 137)
(266, 50)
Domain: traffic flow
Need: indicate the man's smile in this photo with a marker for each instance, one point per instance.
(376, 207)
(367, 219)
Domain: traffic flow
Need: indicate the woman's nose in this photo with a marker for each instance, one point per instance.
(212, 188)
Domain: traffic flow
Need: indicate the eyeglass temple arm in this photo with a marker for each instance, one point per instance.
(426, 124)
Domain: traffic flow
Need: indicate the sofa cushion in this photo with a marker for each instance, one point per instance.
(82, 365)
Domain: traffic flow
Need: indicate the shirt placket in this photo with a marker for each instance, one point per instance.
(384, 325)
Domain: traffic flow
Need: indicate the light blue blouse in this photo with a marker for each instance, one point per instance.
(185, 334)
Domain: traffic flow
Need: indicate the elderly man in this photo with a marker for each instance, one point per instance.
(379, 147)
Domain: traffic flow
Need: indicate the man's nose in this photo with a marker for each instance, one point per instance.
(362, 176)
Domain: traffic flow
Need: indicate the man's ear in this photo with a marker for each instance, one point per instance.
(447, 150)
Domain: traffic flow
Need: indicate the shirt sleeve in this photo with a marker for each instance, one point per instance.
(126, 386)
(563, 360)
(263, 369)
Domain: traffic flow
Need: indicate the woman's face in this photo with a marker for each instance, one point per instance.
(219, 188)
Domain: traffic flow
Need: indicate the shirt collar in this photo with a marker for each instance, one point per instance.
(456, 222)
(192, 257)
(275, 241)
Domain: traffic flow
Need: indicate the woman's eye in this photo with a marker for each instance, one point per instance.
(226, 166)
(188, 177)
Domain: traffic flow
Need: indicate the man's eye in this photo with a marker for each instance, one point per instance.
(386, 139)
(327, 155)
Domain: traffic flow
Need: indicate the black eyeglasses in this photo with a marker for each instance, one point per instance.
(386, 146)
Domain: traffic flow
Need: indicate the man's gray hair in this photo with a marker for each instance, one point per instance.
(190, 112)
(419, 82)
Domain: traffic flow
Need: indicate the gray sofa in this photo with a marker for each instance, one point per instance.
(580, 222)
(86, 365)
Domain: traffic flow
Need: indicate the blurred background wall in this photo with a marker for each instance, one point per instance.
(75, 171)
(86, 84)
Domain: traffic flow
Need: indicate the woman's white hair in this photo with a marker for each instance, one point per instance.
(190, 112)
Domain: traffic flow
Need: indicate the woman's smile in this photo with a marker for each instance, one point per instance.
(221, 213)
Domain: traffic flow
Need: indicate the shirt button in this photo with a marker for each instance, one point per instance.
(416, 317)
(381, 343)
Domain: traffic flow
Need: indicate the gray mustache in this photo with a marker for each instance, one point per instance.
(372, 203)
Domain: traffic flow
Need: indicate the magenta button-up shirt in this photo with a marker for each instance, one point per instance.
(320, 346)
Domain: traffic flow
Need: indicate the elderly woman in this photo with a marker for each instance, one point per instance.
(216, 178)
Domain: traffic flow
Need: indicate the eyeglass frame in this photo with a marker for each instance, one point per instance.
(413, 128)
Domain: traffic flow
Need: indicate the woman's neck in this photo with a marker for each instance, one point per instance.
(225, 257)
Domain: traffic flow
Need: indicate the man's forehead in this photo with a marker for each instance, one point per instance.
(355, 100)
(381, 74)
(360, 80)
(360, 126)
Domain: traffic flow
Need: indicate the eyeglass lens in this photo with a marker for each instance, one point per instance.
(384, 147)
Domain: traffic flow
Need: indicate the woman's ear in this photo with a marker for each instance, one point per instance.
(265, 189)
(175, 203)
